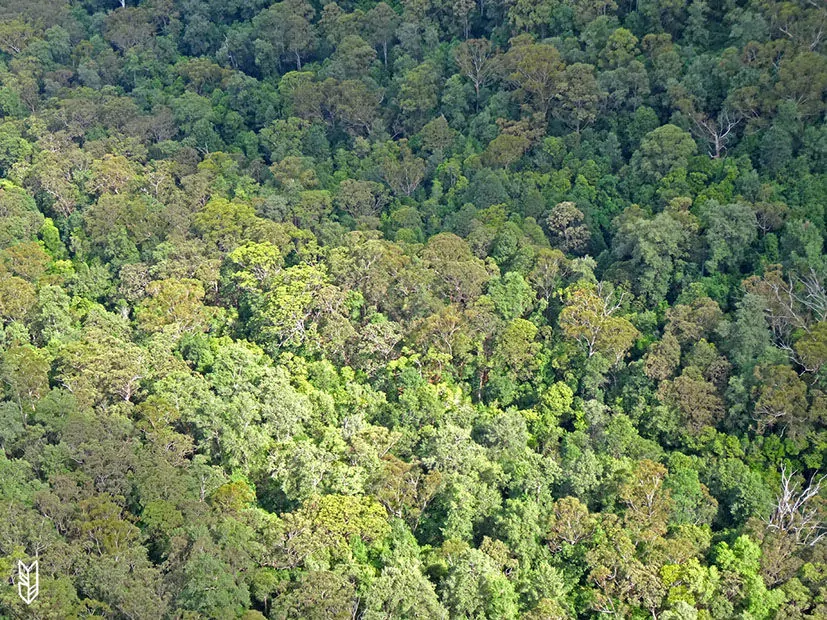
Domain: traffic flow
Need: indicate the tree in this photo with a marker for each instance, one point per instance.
(588, 318)
(405, 489)
(512, 295)
(129, 27)
(324, 526)
(101, 369)
(223, 223)
(579, 97)
(621, 580)
(478, 61)
(210, 588)
(663, 358)
(648, 502)
(27, 260)
(252, 267)
(461, 273)
(317, 595)
(284, 28)
(696, 398)
(56, 173)
(301, 95)
(788, 302)
(288, 310)
(547, 272)
(15, 35)
(729, 231)
(174, 305)
(741, 561)
(475, 587)
(128, 583)
(535, 68)
(516, 349)
(664, 150)
(403, 591)
(691, 500)
(437, 136)
(19, 218)
(353, 58)
(748, 337)
(382, 22)
(419, 94)
(462, 9)
(569, 523)
(361, 198)
(780, 396)
(802, 79)
(716, 132)
(24, 372)
(655, 249)
(17, 298)
(402, 171)
(691, 322)
(111, 174)
(505, 150)
(354, 105)
(528, 16)
(811, 348)
(298, 33)
(567, 230)
(799, 510)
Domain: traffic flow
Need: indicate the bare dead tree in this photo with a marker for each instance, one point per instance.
(612, 301)
(793, 302)
(814, 295)
(798, 512)
(716, 132)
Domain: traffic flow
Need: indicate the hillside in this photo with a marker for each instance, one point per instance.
(474, 310)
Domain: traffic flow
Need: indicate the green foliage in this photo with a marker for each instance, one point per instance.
(408, 310)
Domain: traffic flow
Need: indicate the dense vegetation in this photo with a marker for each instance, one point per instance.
(480, 310)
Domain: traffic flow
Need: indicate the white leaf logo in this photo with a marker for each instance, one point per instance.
(28, 581)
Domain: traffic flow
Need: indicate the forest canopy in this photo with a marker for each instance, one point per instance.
(480, 310)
